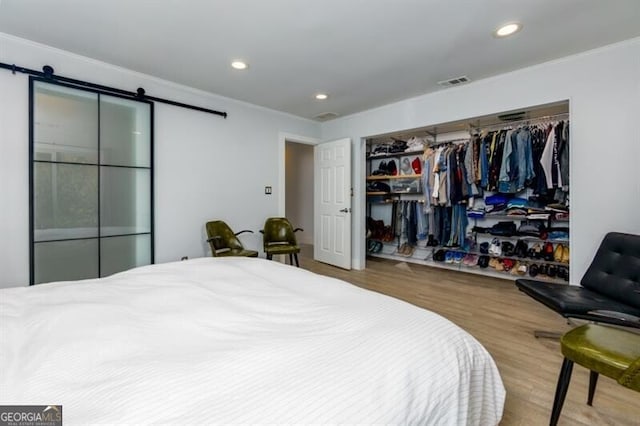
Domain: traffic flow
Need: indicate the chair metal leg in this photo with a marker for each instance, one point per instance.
(290, 259)
(269, 257)
(547, 334)
(561, 390)
(593, 381)
(295, 255)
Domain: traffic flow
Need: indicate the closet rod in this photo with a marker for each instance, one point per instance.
(450, 141)
(519, 122)
(47, 73)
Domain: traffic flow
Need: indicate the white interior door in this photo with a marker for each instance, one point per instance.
(332, 203)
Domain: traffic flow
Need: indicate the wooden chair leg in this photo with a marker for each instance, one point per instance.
(561, 390)
(593, 381)
(295, 255)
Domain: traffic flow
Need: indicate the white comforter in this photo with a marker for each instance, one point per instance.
(236, 340)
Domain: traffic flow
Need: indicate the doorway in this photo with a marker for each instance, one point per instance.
(299, 191)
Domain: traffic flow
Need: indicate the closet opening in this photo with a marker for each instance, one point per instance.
(487, 195)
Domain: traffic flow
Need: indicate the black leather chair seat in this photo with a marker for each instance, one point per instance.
(611, 285)
(572, 301)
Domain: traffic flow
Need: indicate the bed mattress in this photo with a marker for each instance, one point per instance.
(238, 340)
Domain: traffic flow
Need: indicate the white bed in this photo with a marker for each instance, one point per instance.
(237, 340)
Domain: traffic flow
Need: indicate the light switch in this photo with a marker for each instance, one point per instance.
(267, 190)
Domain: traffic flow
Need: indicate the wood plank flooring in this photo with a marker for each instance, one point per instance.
(503, 320)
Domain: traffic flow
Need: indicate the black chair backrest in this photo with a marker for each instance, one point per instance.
(615, 269)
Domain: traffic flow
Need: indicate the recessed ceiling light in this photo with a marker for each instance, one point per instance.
(321, 96)
(508, 29)
(239, 65)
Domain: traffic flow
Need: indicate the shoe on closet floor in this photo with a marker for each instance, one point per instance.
(495, 247)
(508, 264)
(439, 255)
(535, 252)
(470, 260)
(521, 249)
(547, 252)
(508, 249)
(557, 253)
(448, 257)
(408, 251)
(432, 242)
(565, 255)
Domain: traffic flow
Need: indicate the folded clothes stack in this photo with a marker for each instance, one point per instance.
(415, 144)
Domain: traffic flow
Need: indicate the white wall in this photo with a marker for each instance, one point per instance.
(206, 167)
(299, 189)
(603, 87)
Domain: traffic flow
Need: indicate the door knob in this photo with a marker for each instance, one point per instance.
(345, 210)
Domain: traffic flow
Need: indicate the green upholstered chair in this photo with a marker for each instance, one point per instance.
(612, 352)
(280, 238)
(224, 242)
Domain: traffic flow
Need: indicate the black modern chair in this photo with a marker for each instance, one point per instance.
(280, 238)
(609, 291)
(224, 242)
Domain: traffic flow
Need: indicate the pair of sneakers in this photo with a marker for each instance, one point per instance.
(495, 247)
(454, 256)
(470, 259)
(406, 250)
(374, 246)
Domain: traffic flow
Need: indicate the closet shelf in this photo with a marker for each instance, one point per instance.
(478, 253)
(393, 193)
(517, 217)
(394, 155)
(525, 238)
(385, 177)
(460, 267)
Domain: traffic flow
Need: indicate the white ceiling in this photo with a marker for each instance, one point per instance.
(363, 53)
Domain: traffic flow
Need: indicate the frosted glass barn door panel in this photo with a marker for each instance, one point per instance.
(125, 132)
(91, 211)
(65, 260)
(125, 201)
(121, 253)
(65, 201)
(65, 124)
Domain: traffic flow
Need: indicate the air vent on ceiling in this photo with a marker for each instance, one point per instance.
(514, 116)
(324, 116)
(454, 81)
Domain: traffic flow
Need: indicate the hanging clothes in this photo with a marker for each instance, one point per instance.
(549, 160)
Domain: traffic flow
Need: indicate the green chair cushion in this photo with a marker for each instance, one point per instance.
(276, 248)
(237, 252)
(605, 350)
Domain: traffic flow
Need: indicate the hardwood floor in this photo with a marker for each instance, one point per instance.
(503, 320)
